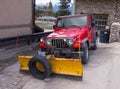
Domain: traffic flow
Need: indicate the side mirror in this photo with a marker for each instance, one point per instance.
(92, 24)
(54, 26)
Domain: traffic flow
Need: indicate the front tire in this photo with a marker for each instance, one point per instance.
(85, 55)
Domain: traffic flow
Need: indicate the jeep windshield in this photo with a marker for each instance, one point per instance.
(71, 22)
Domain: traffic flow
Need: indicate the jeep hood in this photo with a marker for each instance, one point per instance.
(67, 32)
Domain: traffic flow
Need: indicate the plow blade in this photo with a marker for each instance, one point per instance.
(67, 66)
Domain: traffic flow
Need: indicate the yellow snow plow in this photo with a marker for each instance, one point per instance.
(42, 66)
(52, 60)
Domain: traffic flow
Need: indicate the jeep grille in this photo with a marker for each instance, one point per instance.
(59, 43)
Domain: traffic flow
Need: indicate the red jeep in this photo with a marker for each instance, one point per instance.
(72, 37)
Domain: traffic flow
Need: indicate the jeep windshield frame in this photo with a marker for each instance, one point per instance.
(78, 21)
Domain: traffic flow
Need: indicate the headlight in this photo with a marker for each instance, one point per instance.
(42, 39)
(65, 39)
(70, 42)
(48, 42)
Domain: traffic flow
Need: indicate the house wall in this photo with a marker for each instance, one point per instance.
(110, 7)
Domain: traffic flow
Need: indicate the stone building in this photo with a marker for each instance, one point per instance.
(105, 11)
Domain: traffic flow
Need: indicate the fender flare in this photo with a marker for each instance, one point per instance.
(85, 41)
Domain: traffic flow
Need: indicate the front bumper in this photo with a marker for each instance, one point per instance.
(63, 53)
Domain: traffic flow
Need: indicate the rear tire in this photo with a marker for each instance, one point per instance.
(85, 55)
(95, 43)
(35, 71)
(95, 46)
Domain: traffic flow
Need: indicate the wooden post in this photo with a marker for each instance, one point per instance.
(74, 3)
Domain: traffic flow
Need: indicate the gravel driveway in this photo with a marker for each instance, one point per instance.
(102, 72)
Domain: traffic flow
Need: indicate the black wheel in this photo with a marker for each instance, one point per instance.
(40, 67)
(85, 55)
(94, 47)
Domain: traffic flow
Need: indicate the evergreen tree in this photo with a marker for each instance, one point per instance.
(50, 5)
(64, 8)
(37, 12)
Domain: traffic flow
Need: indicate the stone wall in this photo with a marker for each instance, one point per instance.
(115, 32)
(110, 7)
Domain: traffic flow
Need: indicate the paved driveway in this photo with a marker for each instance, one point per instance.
(102, 72)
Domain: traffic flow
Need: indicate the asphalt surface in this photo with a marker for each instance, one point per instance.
(102, 72)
